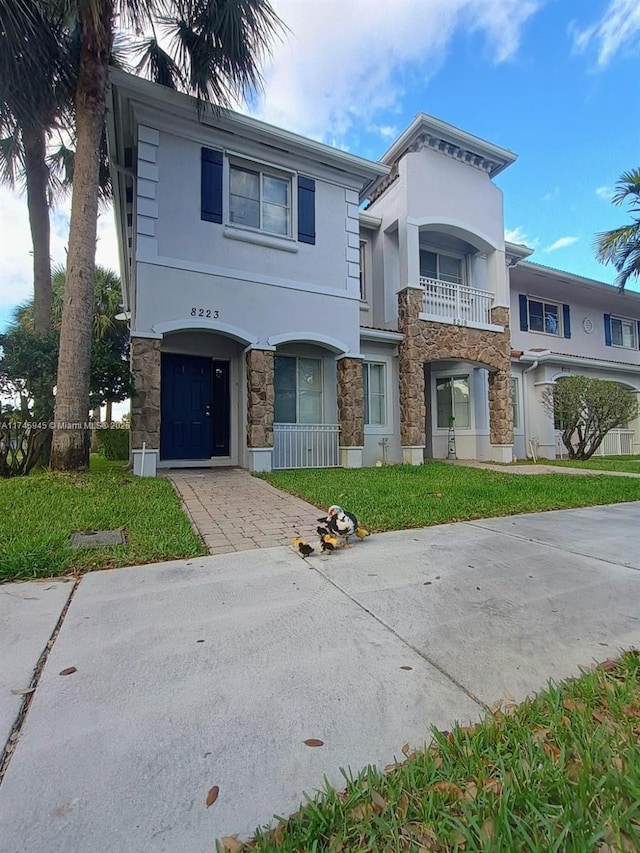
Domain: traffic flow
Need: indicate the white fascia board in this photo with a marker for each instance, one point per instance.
(185, 106)
(380, 336)
(547, 357)
(424, 123)
(517, 251)
(367, 220)
(573, 279)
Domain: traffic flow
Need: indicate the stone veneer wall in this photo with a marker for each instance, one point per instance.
(145, 401)
(350, 402)
(426, 341)
(260, 398)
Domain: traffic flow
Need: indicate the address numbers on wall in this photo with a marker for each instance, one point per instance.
(209, 313)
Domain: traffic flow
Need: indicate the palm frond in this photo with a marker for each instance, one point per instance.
(12, 159)
(156, 64)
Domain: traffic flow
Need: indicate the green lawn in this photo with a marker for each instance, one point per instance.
(561, 772)
(600, 463)
(40, 512)
(402, 496)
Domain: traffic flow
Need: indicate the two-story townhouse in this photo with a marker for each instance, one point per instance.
(566, 325)
(293, 305)
(239, 251)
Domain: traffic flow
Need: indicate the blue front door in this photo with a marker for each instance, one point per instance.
(186, 430)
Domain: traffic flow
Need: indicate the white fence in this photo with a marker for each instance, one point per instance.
(456, 303)
(306, 446)
(617, 442)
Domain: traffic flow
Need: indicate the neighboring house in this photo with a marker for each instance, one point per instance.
(276, 323)
(565, 325)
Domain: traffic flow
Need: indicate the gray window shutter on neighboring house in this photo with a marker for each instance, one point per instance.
(306, 210)
(566, 320)
(524, 325)
(607, 329)
(211, 185)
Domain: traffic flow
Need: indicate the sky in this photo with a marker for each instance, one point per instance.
(555, 81)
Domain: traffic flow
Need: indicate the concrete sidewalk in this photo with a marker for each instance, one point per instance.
(215, 671)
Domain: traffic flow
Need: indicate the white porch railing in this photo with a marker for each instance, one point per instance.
(456, 303)
(306, 446)
(617, 442)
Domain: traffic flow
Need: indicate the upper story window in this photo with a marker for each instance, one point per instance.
(363, 271)
(259, 199)
(544, 317)
(441, 267)
(624, 333)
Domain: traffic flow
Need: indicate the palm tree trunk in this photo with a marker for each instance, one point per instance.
(70, 450)
(94, 431)
(37, 176)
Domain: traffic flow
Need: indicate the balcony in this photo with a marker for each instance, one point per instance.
(457, 304)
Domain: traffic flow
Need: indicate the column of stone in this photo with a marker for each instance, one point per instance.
(260, 398)
(350, 402)
(145, 401)
(411, 370)
(500, 408)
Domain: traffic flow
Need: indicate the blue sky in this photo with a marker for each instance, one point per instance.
(553, 80)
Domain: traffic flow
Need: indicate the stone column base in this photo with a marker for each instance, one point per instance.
(150, 463)
(351, 457)
(413, 455)
(501, 453)
(260, 459)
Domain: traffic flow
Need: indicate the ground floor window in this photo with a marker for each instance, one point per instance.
(298, 390)
(452, 401)
(515, 402)
(375, 405)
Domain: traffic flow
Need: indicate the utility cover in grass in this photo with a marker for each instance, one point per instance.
(97, 538)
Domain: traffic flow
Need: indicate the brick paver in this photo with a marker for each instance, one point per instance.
(233, 511)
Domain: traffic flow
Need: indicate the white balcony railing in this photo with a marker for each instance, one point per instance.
(456, 303)
(306, 446)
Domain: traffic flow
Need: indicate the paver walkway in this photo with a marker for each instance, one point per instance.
(540, 469)
(234, 511)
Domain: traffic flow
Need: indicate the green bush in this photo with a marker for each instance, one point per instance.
(113, 443)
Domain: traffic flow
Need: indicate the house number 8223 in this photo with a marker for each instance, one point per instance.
(205, 312)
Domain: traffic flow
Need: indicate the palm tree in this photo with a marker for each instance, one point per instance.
(215, 47)
(35, 84)
(621, 247)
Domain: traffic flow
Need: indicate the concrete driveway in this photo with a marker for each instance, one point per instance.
(215, 671)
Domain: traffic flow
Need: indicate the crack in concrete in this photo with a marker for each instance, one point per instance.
(14, 735)
(404, 641)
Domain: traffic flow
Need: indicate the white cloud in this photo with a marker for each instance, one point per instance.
(516, 235)
(343, 64)
(17, 259)
(617, 29)
(551, 195)
(605, 193)
(561, 243)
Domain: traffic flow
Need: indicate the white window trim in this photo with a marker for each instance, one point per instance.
(263, 168)
(466, 276)
(452, 374)
(387, 427)
(296, 358)
(558, 305)
(634, 329)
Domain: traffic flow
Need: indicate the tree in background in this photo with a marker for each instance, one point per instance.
(215, 49)
(621, 247)
(586, 409)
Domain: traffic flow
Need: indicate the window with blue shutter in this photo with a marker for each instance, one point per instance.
(306, 210)
(211, 185)
(566, 321)
(607, 329)
(524, 325)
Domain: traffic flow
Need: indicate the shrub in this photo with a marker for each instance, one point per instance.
(113, 443)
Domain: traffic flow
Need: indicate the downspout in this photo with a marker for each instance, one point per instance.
(525, 398)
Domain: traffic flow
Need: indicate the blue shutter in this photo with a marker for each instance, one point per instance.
(524, 325)
(306, 210)
(566, 321)
(211, 186)
(607, 329)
